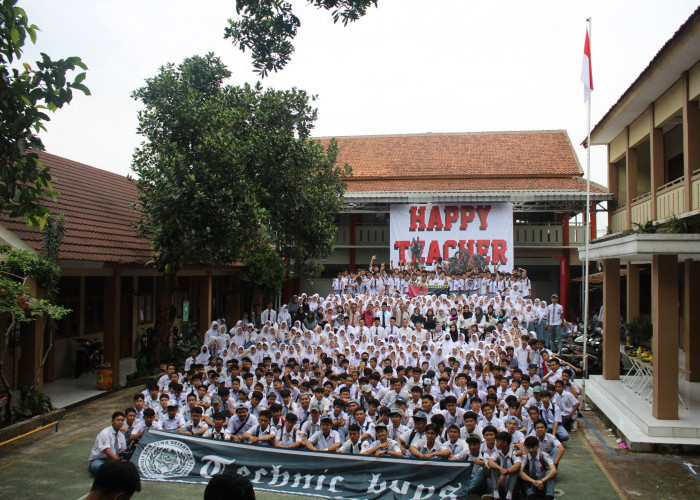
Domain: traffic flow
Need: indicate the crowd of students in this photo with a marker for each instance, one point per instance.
(470, 375)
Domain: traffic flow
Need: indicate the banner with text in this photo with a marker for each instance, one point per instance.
(481, 234)
(163, 456)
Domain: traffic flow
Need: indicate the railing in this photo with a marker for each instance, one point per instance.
(618, 220)
(671, 201)
(641, 212)
(695, 193)
(523, 235)
(671, 183)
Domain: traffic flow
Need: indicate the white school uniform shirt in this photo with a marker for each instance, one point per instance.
(554, 314)
(423, 447)
(212, 433)
(538, 466)
(348, 447)
(286, 437)
(458, 417)
(140, 426)
(565, 401)
(321, 441)
(393, 445)
(108, 438)
(485, 452)
(172, 424)
(459, 448)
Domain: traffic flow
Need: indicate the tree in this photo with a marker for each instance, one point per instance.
(27, 93)
(18, 304)
(229, 173)
(268, 27)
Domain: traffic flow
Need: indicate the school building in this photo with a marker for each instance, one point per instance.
(537, 171)
(652, 135)
(106, 281)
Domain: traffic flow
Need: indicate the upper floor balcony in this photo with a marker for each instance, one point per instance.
(524, 236)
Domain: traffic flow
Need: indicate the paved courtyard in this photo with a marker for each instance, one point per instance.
(53, 465)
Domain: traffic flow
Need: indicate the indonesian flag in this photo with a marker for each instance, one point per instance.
(586, 70)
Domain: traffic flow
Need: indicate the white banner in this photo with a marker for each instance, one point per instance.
(446, 229)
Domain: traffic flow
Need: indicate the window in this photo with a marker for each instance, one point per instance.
(69, 298)
(145, 302)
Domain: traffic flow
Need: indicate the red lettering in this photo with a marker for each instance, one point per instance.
(417, 219)
(402, 246)
(433, 252)
(467, 216)
(451, 215)
(499, 252)
(435, 220)
(469, 245)
(483, 211)
(446, 248)
(482, 247)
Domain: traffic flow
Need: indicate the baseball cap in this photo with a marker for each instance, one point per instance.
(555, 296)
(315, 407)
(401, 399)
(380, 426)
(216, 399)
(241, 405)
(396, 411)
(271, 393)
(172, 403)
(427, 381)
(537, 388)
(366, 388)
(421, 415)
(326, 419)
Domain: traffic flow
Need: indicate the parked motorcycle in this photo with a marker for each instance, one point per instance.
(88, 356)
(572, 349)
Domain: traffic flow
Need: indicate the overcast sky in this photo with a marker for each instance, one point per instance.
(409, 66)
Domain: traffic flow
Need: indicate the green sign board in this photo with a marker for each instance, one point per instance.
(186, 310)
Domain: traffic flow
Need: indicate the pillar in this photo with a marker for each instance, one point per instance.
(611, 319)
(30, 340)
(112, 331)
(632, 291)
(593, 224)
(664, 310)
(691, 326)
(352, 263)
(691, 147)
(656, 145)
(564, 263)
(631, 160)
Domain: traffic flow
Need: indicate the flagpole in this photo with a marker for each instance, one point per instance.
(587, 237)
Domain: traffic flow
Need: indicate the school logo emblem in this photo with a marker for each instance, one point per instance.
(166, 459)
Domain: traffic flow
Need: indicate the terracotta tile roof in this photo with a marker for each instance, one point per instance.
(461, 155)
(97, 206)
(482, 184)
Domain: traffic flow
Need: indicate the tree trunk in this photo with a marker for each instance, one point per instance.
(4, 346)
(162, 350)
(44, 357)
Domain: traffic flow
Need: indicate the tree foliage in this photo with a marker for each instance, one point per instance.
(229, 173)
(27, 93)
(268, 27)
(18, 304)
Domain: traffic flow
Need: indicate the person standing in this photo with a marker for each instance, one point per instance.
(110, 442)
(554, 323)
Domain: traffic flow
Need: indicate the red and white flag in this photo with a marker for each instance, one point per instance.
(586, 70)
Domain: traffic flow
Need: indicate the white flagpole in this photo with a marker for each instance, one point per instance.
(587, 236)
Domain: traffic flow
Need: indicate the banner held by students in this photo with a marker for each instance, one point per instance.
(163, 456)
(434, 232)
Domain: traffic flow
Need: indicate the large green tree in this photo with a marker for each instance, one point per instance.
(268, 27)
(27, 93)
(229, 173)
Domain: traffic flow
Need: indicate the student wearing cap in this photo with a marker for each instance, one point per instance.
(172, 421)
(216, 407)
(326, 439)
(412, 436)
(239, 423)
(313, 422)
(396, 427)
(383, 446)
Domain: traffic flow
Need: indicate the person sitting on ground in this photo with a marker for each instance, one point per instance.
(354, 444)
(430, 448)
(263, 433)
(383, 445)
(538, 470)
(326, 439)
(109, 444)
(115, 480)
(504, 466)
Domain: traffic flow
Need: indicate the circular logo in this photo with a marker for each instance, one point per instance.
(166, 459)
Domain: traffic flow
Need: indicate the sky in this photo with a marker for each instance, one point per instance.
(408, 66)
